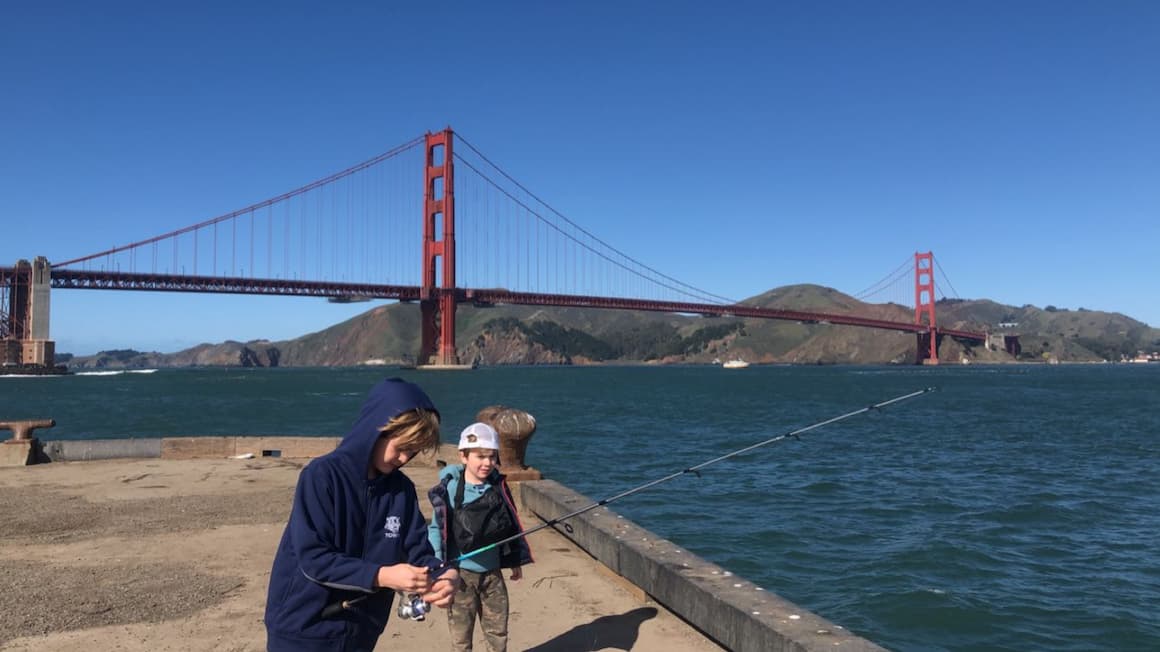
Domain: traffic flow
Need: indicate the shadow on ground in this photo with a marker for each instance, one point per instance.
(615, 632)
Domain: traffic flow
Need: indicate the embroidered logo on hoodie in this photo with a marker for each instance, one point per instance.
(391, 527)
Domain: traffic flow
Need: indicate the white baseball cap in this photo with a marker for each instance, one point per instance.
(479, 435)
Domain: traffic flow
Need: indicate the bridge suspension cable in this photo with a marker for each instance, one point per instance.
(625, 262)
(943, 275)
(889, 281)
(250, 209)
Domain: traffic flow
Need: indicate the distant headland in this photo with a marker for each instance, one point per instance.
(520, 335)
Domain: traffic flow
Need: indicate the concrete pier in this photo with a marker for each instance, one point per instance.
(171, 550)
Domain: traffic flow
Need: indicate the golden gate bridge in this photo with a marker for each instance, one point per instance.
(352, 236)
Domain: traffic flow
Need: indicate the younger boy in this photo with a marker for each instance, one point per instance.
(473, 508)
(355, 528)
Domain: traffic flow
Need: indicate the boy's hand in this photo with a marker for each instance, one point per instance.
(442, 592)
(403, 577)
(517, 573)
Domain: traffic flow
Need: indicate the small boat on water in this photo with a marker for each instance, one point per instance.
(735, 363)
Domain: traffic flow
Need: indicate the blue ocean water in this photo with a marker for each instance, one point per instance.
(1016, 508)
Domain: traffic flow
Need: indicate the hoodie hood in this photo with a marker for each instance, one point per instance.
(386, 400)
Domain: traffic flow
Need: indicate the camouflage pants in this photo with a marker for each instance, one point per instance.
(484, 595)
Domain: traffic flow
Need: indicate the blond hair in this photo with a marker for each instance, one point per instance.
(482, 451)
(416, 430)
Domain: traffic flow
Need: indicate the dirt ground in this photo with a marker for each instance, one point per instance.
(175, 555)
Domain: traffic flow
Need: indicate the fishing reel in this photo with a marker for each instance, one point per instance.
(412, 607)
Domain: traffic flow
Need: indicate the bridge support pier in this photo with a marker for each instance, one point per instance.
(926, 348)
(24, 313)
(437, 317)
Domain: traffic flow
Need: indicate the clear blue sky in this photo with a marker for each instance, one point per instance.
(735, 146)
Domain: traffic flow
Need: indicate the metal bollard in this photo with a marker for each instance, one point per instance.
(515, 428)
(22, 430)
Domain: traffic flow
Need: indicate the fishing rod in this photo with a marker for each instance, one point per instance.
(338, 607)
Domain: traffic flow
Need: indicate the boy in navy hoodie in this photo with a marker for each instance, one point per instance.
(356, 528)
(473, 508)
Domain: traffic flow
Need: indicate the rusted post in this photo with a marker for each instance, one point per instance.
(22, 430)
(19, 451)
(515, 428)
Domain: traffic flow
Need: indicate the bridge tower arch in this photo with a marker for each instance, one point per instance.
(927, 344)
(437, 301)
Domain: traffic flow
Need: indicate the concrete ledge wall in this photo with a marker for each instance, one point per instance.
(732, 611)
(99, 449)
(187, 448)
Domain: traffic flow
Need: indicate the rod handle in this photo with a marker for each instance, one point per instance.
(333, 609)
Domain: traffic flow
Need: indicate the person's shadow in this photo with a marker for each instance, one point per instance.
(616, 632)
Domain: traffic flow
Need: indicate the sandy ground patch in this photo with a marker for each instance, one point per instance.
(175, 555)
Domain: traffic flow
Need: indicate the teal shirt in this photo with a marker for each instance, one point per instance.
(484, 561)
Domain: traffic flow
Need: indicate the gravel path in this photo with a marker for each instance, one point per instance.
(174, 556)
(45, 596)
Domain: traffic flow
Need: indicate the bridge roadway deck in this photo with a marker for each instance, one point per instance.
(160, 554)
(116, 280)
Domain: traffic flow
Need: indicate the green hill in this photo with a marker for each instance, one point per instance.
(389, 334)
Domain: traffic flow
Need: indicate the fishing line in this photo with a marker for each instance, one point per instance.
(338, 607)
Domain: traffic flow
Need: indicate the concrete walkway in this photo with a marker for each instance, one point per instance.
(155, 554)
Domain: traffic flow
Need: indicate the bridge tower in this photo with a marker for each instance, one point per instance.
(927, 345)
(437, 302)
(24, 315)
